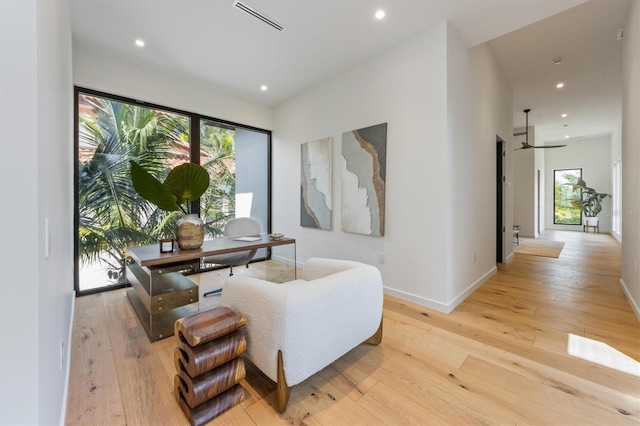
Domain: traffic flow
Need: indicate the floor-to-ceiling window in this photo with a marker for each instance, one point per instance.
(564, 212)
(110, 216)
(616, 214)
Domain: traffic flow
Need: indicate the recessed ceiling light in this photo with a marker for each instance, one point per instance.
(263, 88)
(560, 85)
(380, 14)
(139, 43)
(566, 136)
(563, 115)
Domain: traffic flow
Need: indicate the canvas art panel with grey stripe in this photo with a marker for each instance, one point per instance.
(364, 164)
(315, 184)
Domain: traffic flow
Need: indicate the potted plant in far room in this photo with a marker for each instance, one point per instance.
(184, 183)
(590, 203)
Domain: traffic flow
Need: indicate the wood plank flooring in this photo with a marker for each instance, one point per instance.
(501, 357)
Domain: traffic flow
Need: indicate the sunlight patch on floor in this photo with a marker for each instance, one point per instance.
(601, 353)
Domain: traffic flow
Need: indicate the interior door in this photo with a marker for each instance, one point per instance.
(500, 199)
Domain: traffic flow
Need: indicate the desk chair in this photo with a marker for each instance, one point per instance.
(238, 227)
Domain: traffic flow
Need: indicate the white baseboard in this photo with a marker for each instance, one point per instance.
(634, 306)
(617, 236)
(439, 306)
(463, 295)
(418, 300)
(67, 372)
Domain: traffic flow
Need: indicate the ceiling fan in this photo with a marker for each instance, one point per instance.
(525, 144)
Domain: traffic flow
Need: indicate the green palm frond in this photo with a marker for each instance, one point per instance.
(184, 183)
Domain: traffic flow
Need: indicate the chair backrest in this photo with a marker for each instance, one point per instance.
(242, 227)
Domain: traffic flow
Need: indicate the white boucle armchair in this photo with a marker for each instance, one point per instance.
(295, 329)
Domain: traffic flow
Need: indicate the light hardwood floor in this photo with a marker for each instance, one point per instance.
(499, 358)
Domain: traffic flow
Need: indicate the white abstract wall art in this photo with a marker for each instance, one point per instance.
(315, 184)
(364, 164)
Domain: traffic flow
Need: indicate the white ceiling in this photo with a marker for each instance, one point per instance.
(585, 37)
(213, 42)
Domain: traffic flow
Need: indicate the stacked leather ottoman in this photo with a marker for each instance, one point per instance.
(208, 363)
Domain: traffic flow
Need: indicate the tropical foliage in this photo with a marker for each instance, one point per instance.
(564, 211)
(112, 216)
(589, 201)
(217, 155)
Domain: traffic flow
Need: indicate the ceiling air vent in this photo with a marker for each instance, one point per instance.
(251, 11)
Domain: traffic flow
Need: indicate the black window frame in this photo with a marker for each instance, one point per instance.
(195, 123)
(554, 196)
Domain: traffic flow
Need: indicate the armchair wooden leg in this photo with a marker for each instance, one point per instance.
(376, 339)
(282, 390)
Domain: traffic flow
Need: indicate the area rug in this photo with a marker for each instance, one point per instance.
(542, 248)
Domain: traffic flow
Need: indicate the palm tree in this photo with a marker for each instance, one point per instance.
(217, 206)
(112, 216)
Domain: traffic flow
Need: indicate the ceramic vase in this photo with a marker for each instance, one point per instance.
(190, 232)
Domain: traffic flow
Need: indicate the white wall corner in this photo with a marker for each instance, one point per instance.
(632, 303)
(418, 300)
(617, 236)
(437, 305)
(473, 287)
(67, 370)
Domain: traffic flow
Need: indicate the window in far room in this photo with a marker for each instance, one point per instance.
(564, 213)
(617, 197)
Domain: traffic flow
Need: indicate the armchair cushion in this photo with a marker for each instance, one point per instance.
(312, 321)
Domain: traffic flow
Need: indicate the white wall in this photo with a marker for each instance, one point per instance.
(36, 292)
(616, 202)
(99, 70)
(524, 178)
(631, 157)
(459, 243)
(538, 193)
(19, 366)
(616, 143)
(480, 108)
(593, 156)
(411, 88)
(406, 88)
